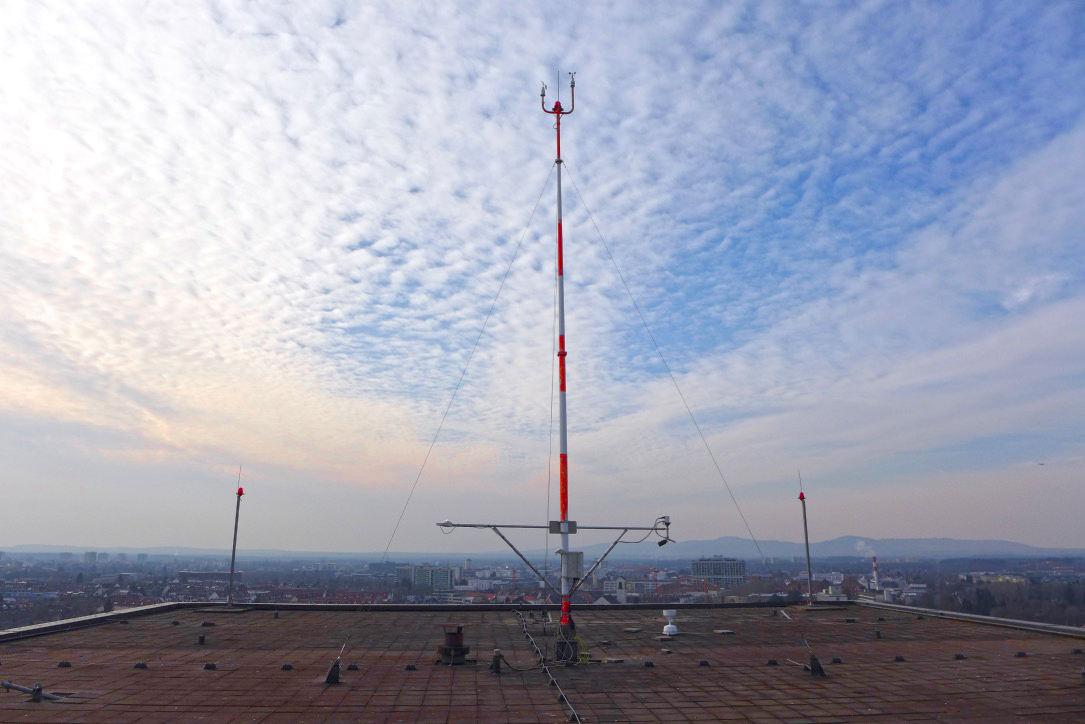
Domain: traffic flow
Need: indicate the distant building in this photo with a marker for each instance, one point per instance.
(382, 568)
(832, 594)
(441, 579)
(435, 577)
(901, 592)
(615, 589)
(834, 578)
(90, 557)
(724, 572)
(614, 585)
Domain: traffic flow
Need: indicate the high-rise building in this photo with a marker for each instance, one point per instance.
(436, 577)
(404, 574)
(441, 579)
(724, 572)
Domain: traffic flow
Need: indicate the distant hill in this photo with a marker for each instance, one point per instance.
(844, 546)
(848, 546)
(270, 553)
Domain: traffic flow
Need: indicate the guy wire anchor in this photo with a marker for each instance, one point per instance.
(333, 673)
(814, 664)
(336, 668)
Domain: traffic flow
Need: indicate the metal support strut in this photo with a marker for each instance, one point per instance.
(662, 524)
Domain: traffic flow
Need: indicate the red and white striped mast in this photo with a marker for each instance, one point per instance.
(566, 580)
(572, 562)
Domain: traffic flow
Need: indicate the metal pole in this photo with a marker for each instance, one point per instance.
(566, 578)
(806, 534)
(233, 551)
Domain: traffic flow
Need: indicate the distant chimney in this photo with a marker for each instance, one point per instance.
(876, 586)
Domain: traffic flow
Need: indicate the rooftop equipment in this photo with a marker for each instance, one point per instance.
(670, 629)
(453, 652)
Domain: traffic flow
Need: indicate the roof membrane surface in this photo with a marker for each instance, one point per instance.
(890, 666)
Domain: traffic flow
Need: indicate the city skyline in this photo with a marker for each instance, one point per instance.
(269, 236)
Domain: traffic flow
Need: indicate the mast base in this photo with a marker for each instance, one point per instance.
(566, 650)
(566, 646)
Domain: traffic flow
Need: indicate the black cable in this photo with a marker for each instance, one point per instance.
(470, 356)
(666, 366)
(655, 529)
(640, 540)
(515, 668)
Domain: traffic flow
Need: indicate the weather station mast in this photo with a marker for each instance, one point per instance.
(563, 424)
(572, 562)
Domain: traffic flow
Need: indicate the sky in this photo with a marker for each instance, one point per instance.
(270, 234)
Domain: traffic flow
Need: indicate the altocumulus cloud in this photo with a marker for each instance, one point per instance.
(271, 232)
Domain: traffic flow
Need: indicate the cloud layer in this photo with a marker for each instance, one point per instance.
(269, 233)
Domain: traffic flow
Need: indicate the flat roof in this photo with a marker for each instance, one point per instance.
(715, 669)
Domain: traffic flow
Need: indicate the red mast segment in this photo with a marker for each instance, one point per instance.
(566, 574)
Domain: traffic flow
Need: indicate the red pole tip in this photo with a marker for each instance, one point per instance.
(240, 492)
(802, 497)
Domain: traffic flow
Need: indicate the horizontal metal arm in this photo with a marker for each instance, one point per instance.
(450, 524)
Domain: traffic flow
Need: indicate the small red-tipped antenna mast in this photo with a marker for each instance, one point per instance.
(806, 536)
(566, 581)
(233, 550)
